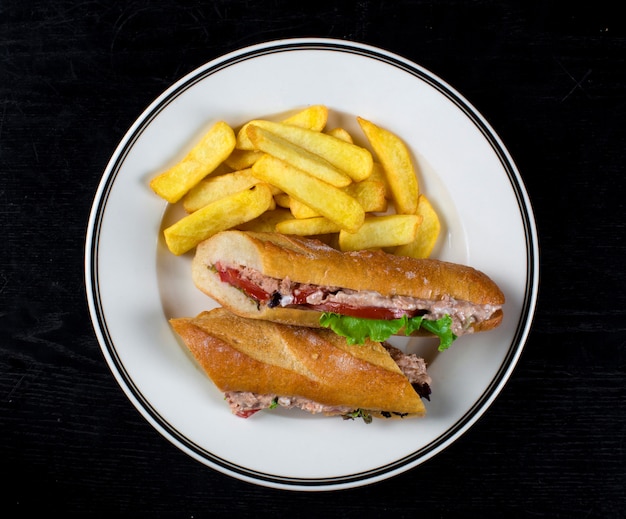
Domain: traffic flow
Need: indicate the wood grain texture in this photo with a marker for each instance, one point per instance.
(548, 76)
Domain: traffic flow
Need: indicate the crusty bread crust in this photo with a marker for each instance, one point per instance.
(306, 260)
(263, 357)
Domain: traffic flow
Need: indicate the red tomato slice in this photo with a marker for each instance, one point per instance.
(367, 312)
(233, 277)
(246, 414)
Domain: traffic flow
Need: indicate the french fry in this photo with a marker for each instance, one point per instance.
(268, 221)
(283, 200)
(378, 232)
(210, 189)
(355, 161)
(218, 216)
(427, 234)
(369, 193)
(378, 175)
(300, 210)
(314, 118)
(280, 148)
(202, 159)
(396, 161)
(242, 159)
(325, 199)
(307, 226)
(341, 133)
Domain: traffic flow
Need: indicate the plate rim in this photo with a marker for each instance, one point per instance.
(456, 429)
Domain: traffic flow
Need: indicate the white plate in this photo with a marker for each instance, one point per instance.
(134, 284)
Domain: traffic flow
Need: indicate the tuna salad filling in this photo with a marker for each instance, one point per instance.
(364, 303)
(245, 404)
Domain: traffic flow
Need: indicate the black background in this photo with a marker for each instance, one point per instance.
(548, 76)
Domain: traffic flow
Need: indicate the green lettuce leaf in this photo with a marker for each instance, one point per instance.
(357, 329)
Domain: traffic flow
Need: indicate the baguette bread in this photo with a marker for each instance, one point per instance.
(309, 261)
(261, 357)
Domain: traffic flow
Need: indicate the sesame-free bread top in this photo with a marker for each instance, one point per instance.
(306, 260)
(240, 354)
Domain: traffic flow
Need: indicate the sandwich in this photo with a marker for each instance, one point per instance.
(367, 294)
(262, 365)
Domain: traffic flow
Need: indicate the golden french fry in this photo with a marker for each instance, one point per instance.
(341, 133)
(280, 148)
(267, 221)
(307, 226)
(222, 169)
(211, 189)
(220, 215)
(202, 159)
(242, 159)
(314, 117)
(396, 160)
(354, 161)
(283, 200)
(381, 231)
(300, 210)
(427, 234)
(378, 175)
(369, 193)
(325, 199)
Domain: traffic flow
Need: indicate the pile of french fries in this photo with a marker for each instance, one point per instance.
(298, 177)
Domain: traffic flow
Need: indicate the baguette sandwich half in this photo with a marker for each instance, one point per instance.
(302, 281)
(261, 364)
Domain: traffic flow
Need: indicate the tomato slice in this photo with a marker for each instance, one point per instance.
(233, 277)
(366, 312)
(246, 414)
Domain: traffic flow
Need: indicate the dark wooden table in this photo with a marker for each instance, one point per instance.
(550, 77)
